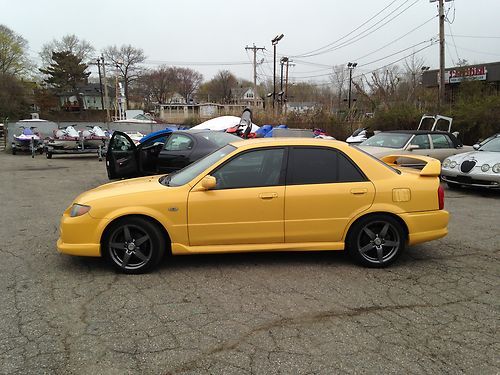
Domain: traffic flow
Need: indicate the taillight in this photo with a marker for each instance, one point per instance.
(441, 197)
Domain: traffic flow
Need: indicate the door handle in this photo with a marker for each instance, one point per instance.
(268, 195)
(359, 191)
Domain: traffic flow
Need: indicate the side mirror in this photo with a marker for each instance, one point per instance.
(208, 182)
(413, 147)
(476, 146)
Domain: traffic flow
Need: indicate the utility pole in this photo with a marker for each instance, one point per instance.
(288, 61)
(441, 53)
(100, 82)
(274, 42)
(351, 67)
(282, 62)
(106, 97)
(255, 49)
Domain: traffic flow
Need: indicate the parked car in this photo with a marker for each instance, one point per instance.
(436, 144)
(267, 194)
(164, 152)
(480, 168)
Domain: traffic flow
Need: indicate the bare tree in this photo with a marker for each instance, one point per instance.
(412, 76)
(187, 82)
(382, 87)
(158, 84)
(126, 60)
(68, 43)
(220, 87)
(339, 79)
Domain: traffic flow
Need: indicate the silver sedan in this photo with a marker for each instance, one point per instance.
(480, 168)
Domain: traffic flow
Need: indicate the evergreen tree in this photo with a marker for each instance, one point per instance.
(66, 72)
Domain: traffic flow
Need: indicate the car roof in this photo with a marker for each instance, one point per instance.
(415, 132)
(290, 141)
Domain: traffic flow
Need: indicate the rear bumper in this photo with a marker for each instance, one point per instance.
(426, 226)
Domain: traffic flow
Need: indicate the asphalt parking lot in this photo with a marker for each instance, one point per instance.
(435, 311)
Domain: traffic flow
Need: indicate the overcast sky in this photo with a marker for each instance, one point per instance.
(195, 33)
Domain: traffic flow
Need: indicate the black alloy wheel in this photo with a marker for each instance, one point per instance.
(376, 241)
(134, 245)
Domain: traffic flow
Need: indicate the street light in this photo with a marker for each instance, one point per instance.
(351, 67)
(274, 42)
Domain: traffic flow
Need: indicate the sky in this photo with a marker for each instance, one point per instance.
(211, 35)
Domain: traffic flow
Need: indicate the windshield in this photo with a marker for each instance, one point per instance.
(219, 138)
(186, 174)
(389, 140)
(492, 145)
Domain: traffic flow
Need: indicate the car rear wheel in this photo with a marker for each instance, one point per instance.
(134, 245)
(376, 241)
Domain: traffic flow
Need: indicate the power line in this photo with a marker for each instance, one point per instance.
(397, 39)
(360, 36)
(475, 36)
(195, 63)
(346, 35)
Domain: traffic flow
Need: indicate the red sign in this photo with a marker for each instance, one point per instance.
(471, 73)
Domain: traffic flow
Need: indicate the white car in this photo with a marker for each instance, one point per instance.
(480, 168)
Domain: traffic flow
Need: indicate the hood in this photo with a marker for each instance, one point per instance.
(482, 157)
(121, 188)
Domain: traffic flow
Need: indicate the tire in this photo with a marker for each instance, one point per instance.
(13, 150)
(376, 241)
(48, 155)
(133, 245)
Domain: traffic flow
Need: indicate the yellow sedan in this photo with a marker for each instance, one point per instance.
(271, 194)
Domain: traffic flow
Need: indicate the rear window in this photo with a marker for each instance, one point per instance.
(389, 140)
(219, 138)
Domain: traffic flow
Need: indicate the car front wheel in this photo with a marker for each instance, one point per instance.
(134, 245)
(376, 241)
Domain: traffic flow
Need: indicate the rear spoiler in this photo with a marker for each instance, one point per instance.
(432, 166)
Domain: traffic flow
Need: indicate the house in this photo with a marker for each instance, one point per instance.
(88, 96)
(246, 96)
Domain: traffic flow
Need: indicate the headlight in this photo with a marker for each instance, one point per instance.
(496, 168)
(79, 210)
(446, 163)
(485, 167)
(453, 164)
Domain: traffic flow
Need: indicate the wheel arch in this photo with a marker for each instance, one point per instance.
(378, 213)
(152, 220)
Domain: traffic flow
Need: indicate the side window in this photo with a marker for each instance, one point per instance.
(251, 169)
(120, 143)
(348, 172)
(179, 142)
(422, 141)
(441, 141)
(312, 166)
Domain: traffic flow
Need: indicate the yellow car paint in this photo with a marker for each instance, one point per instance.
(299, 217)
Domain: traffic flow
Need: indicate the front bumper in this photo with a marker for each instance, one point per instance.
(484, 181)
(426, 226)
(81, 235)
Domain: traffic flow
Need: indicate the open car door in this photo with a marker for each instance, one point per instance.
(121, 157)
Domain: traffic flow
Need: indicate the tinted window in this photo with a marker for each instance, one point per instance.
(120, 143)
(441, 141)
(321, 166)
(219, 138)
(422, 141)
(348, 172)
(251, 169)
(179, 142)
